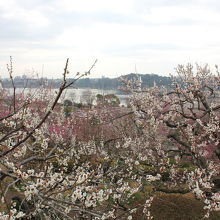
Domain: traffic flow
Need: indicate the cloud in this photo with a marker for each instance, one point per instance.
(118, 32)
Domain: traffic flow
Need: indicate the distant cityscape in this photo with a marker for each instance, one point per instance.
(148, 80)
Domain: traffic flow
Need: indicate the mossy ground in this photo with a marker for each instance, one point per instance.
(176, 206)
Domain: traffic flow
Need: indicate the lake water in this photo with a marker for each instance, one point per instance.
(76, 95)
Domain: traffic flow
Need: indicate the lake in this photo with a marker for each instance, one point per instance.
(76, 95)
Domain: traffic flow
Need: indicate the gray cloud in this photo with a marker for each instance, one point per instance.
(22, 32)
(140, 49)
(15, 29)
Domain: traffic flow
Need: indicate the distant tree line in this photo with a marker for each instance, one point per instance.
(148, 80)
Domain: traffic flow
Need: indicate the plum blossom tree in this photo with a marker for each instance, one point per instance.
(48, 172)
(188, 116)
(87, 97)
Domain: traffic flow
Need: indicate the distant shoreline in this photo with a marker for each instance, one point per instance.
(148, 80)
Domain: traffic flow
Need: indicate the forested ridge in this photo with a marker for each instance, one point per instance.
(148, 80)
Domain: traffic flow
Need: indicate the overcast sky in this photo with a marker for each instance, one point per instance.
(154, 35)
